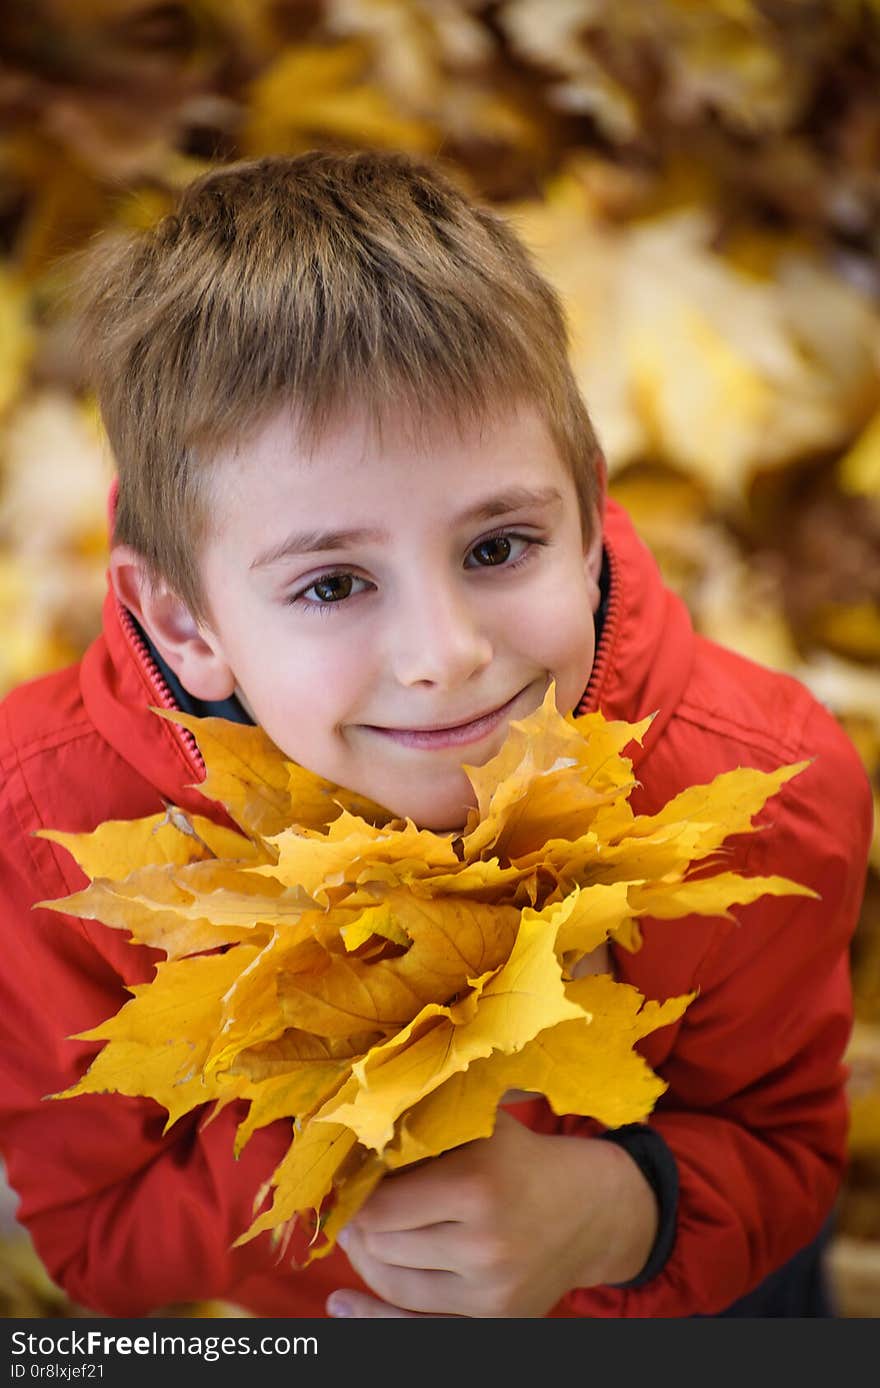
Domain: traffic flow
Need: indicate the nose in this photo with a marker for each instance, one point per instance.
(438, 639)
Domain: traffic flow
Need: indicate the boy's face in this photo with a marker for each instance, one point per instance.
(386, 607)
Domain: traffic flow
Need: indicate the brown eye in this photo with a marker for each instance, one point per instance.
(495, 550)
(329, 591)
(333, 588)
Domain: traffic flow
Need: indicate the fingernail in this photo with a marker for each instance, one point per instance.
(338, 1306)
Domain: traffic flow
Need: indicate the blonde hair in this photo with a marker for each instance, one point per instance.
(316, 281)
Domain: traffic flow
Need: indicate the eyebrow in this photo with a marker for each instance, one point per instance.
(317, 541)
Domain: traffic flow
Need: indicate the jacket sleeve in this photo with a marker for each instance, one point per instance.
(756, 1109)
(125, 1219)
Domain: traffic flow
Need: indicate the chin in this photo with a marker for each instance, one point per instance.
(439, 818)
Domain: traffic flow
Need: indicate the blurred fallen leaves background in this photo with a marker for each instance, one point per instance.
(701, 181)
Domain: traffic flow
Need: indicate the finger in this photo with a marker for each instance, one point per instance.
(362, 1307)
(517, 1096)
(416, 1199)
(412, 1289)
(408, 1200)
(598, 962)
(437, 1247)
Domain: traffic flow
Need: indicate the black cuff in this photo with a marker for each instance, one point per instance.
(658, 1165)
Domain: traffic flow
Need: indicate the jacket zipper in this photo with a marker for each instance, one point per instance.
(164, 697)
(590, 699)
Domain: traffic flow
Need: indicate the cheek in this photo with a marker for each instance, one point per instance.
(559, 634)
(301, 674)
(571, 659)
(312, 680)
(557, 620)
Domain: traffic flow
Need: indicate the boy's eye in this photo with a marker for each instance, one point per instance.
(497, 549)
(332, 588)
(329, 588)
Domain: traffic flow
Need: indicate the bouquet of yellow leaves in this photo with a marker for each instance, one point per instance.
(382, 986)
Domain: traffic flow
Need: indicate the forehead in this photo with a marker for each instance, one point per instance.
(357, 468)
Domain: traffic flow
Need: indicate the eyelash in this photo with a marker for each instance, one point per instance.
(324, 608)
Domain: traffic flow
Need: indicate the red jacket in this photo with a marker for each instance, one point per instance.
(128, 1221)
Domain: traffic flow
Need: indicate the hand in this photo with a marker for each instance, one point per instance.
(503, 1226)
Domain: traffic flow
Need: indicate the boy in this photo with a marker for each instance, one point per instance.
(360, 502)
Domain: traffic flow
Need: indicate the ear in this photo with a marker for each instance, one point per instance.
(593, 555)
(187, 645)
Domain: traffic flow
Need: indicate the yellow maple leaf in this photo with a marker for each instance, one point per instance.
(694, 361)
(184, 910)
(500, 1012)
(585, 1065)
(118, 846)
(353, 852)
(859, 468)
(313, 92)
(263, 791)
(157, 1043)
(380, 986)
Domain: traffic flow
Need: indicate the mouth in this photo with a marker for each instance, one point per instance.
(449, 734)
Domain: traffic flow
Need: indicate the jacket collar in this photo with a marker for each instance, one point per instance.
(644, 661)
(643, 664)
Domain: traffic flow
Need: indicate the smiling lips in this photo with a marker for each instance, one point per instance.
(456, 736)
